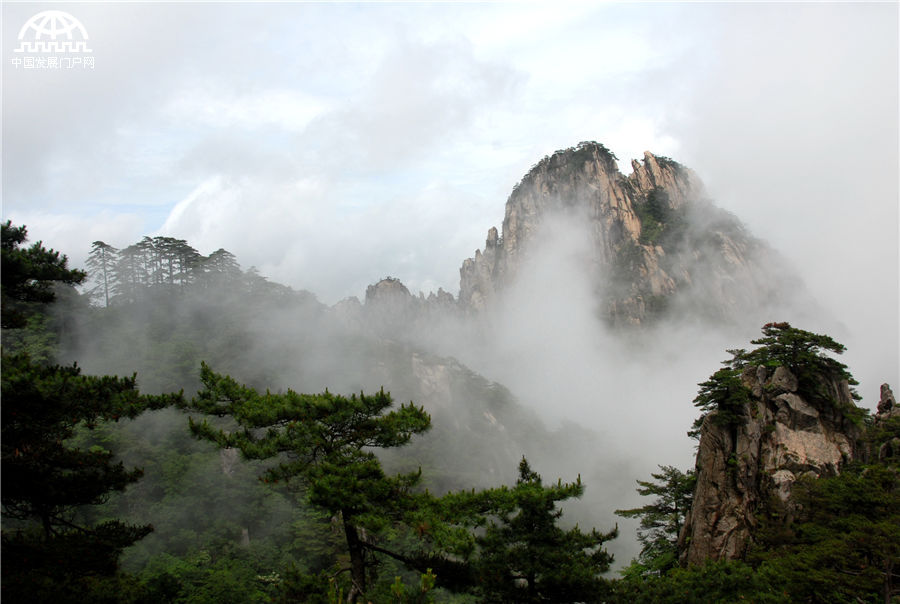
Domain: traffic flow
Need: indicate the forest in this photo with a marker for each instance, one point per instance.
(146, 459)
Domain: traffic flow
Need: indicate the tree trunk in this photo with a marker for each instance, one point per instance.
(888, 580)
(357, 559)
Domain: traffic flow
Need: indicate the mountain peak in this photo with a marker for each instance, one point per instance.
(652, 237)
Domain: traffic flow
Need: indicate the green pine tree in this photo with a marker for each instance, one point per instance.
(100, 264)
(523, 555)
(326, 442)
(661, 520)
(48, 553)
(28, 276)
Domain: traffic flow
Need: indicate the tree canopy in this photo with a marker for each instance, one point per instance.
(49, 552)
(662, 519)
(325, 441)
(46, 479)
(806, 354)
(28, 275)
(524, 556)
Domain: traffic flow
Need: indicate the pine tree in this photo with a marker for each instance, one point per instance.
(47, 552)
(325, 441)
(220, 265)
(661, 520)
(100, 263)
(187, 261)
(803, 352)
(723, 397)
(844, 543)
(130, 273)
(522, 554)
(28, 276)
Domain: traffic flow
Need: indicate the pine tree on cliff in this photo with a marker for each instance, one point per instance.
(804, 353)
(661, 520)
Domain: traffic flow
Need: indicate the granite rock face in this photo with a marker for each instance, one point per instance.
(653, 238)
(655, 245)
(785, 435)
(887, 405)
(887, 410)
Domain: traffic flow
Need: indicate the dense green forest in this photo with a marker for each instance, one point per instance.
(232, 469)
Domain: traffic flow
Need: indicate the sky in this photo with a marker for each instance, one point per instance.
(330, 145)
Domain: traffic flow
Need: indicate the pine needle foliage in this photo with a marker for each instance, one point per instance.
(326, 442)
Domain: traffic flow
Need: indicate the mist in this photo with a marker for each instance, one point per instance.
(353, 142)
(538, 373)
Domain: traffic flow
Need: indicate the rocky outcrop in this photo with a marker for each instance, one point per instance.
(652, 237)
(784, 435)
(888, 447)
(887, 405)
(656, 245)
(392, 311)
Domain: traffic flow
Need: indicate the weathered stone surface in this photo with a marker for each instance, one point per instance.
(782, 481)
(349, 311)
(633, 270)
(784, 436)
(229, 459)
(434, 381)
(761, 374)
(887, 410)
(887, 405)
(796, 414)
(654, 244)
(803, 451)
(716, 525)
(784, 380)
(388, 291)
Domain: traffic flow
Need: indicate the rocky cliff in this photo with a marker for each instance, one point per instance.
(654, 239)
(782, 411)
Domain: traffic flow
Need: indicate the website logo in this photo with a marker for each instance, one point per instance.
(53, 39)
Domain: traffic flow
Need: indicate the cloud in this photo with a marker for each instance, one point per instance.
(420, 97)
(353, 141)
(297, 232)
(288, 110)
(67, 233)
(366, 215)
(794, 128)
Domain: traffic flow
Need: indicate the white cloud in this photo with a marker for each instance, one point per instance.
(422, 96)
(794, 128)
(72, 234)
(214, 107)
(333, 144)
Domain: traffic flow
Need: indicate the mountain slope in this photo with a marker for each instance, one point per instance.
(655, 241)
